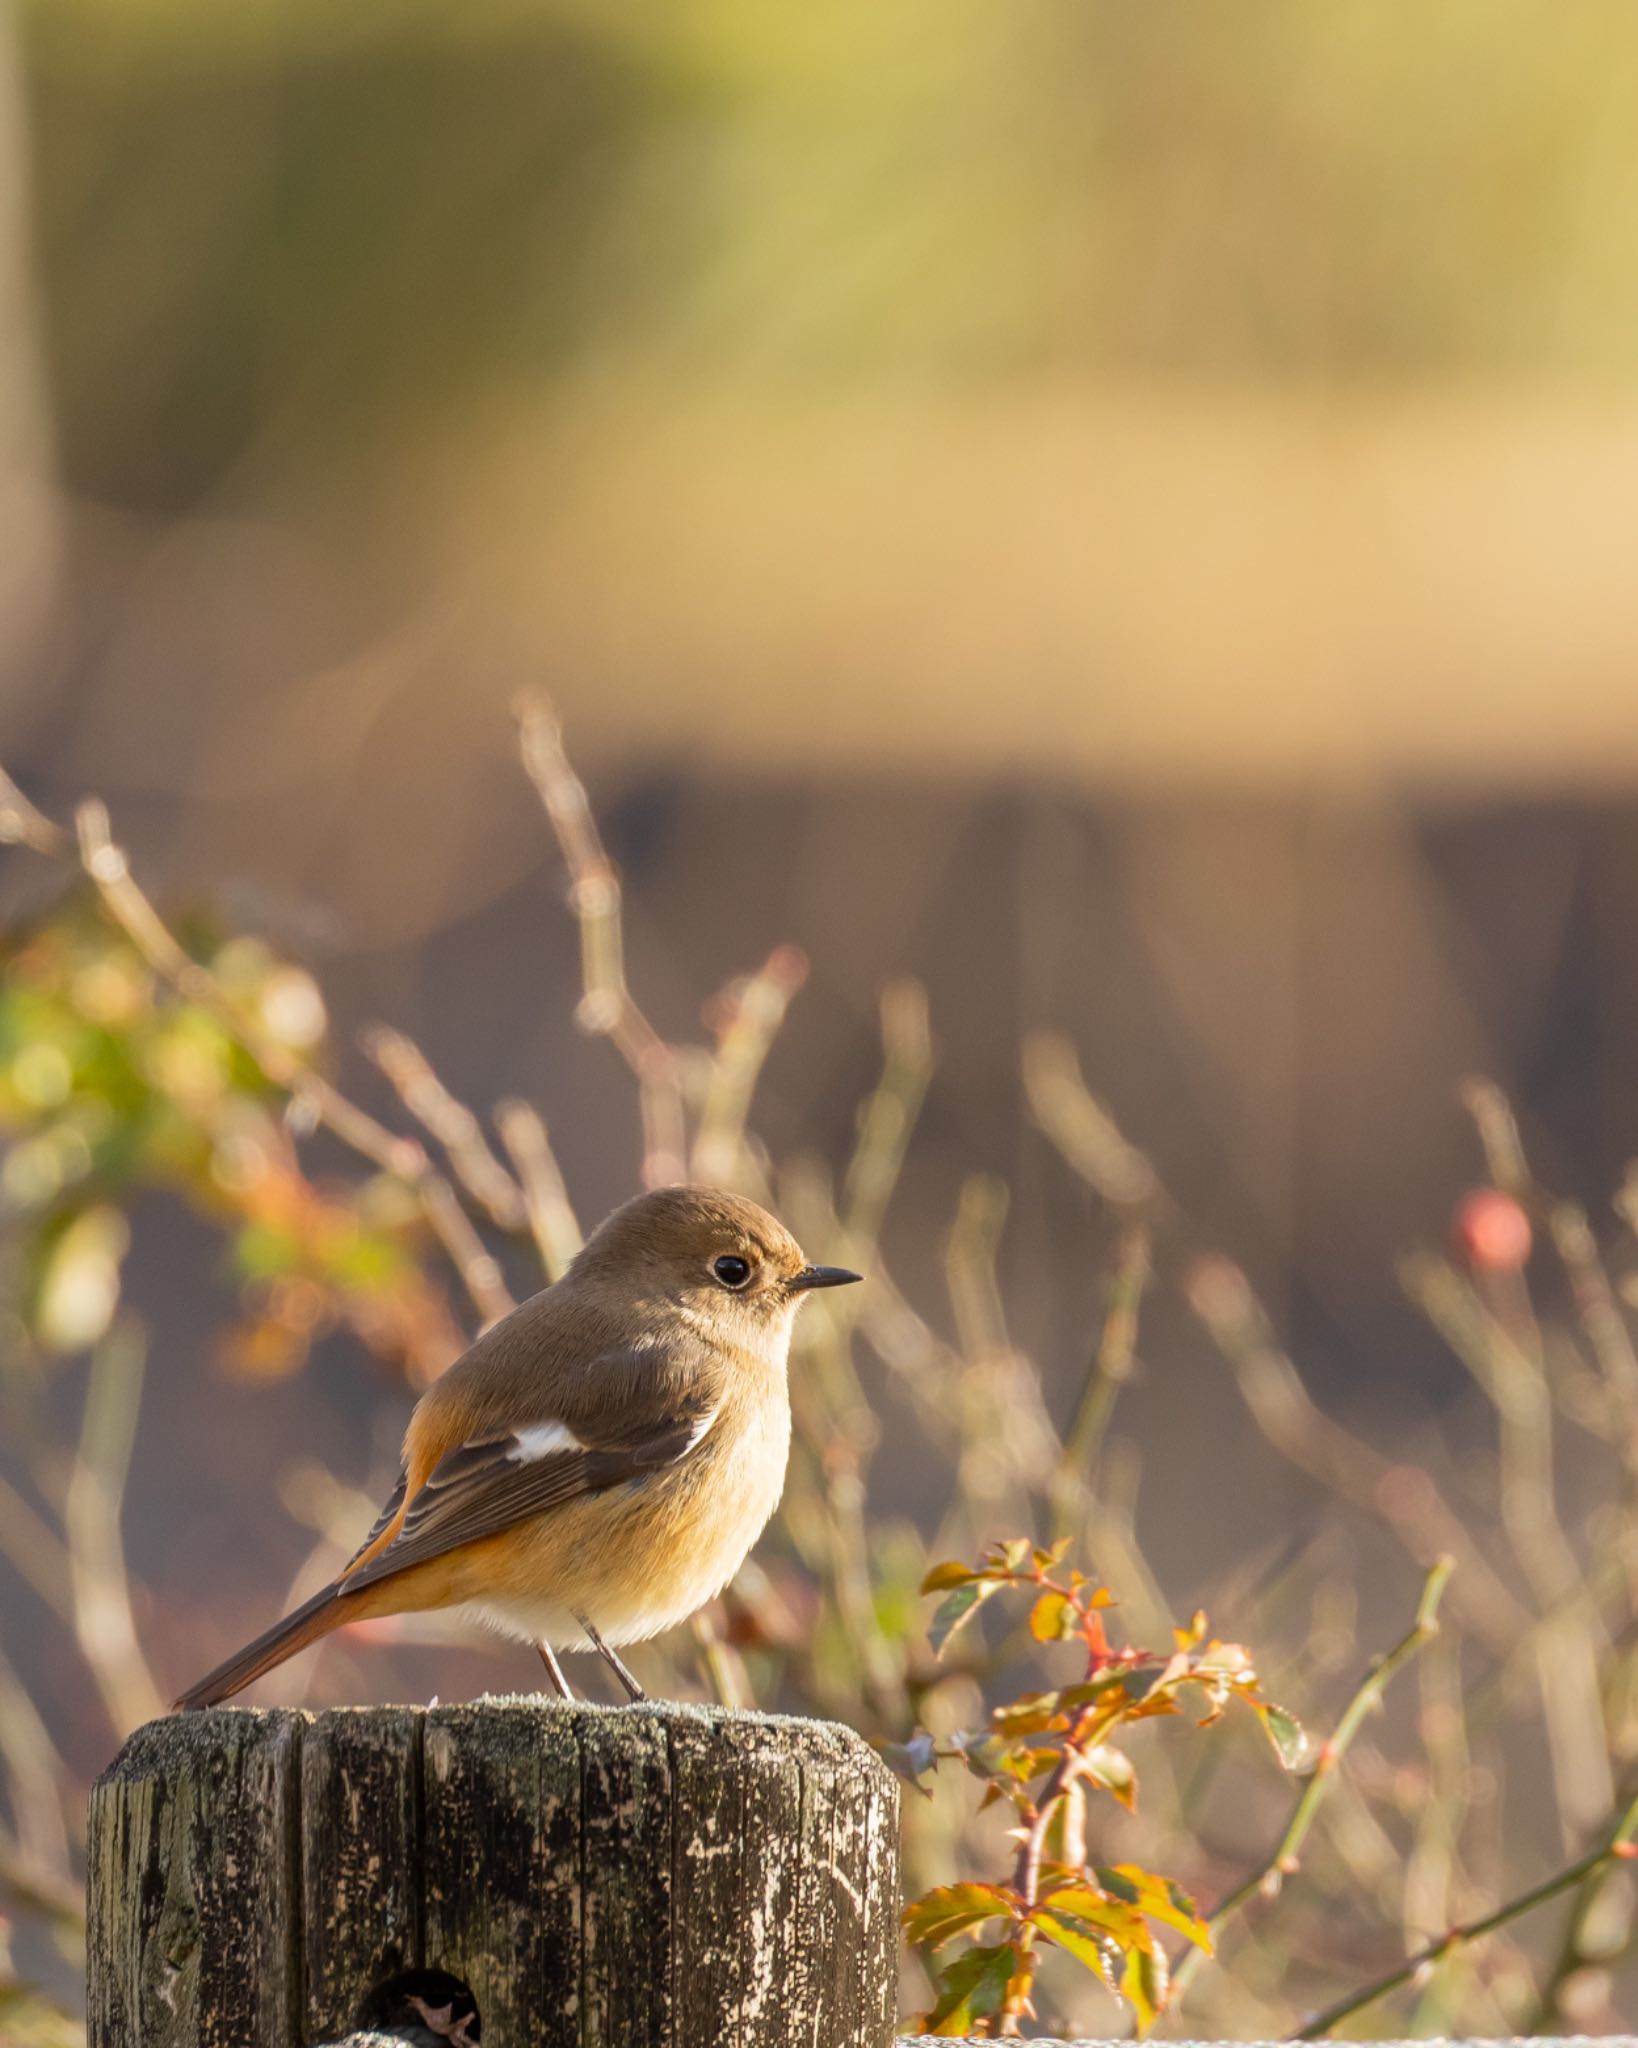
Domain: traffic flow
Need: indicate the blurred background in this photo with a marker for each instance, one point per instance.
(1118, 519)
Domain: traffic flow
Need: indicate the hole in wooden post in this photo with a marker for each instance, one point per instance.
(432, 1998)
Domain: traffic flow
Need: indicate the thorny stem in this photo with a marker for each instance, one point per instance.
(1285, 1858)
(1026, 1877)
(1616, 1847)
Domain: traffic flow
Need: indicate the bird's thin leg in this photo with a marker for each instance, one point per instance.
(635, 1691)
(554, 1671)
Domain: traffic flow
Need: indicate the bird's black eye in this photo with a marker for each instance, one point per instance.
(731, 1270)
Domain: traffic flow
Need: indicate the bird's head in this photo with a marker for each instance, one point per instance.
(706, 1250)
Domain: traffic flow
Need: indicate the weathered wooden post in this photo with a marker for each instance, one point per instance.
(634, 1877)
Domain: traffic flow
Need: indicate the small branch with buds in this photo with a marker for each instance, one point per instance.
(1618, 1847)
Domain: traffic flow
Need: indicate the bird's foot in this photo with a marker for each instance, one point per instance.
(634, 1692)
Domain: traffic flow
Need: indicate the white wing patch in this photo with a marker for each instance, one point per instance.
(543, 1440)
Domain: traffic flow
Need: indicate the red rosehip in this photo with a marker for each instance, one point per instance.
(1491, 1231)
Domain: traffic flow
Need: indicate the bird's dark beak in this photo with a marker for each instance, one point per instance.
(821, 1276)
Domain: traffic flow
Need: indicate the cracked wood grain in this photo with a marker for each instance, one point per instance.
(360, 1847)
(643, 1877)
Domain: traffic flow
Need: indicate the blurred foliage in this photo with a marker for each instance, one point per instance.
(110, 1086)
(140, 1060)
(262, 225)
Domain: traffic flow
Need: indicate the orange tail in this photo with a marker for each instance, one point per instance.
(317, 1617)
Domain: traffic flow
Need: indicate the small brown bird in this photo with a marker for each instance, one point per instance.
(596, 1467)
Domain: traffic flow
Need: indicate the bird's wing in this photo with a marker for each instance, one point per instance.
(383, 1521)
(494, 1481)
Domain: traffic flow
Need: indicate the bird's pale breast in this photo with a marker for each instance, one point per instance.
(645, 1556)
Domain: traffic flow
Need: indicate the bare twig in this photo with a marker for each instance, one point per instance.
(1599, 1315)
(1403, 1496)
(103, 1622)
(552, 1221)
(1498, 1131)
(35, 1776)
(753, 1011)
(35, 1550)
(1504, 1356)
(449, 1121)
(25, 824)
(1285, 1858)
(1082, 1129)
(889, 1116)
(607, 1007)
(1616, 1847)
(1110, 1369)
(1576, 1950)
(724, 1667)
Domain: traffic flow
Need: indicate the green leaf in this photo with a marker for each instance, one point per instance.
(950, 1909)
(1159, 1898)
(1097, 1951)
(956, 1608)
(971, 1988)
(1088, 1909)
(1289, 1737)
(1144, 1983)
(1185, 1916)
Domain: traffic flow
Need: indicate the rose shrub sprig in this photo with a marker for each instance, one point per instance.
(1043, 1753)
